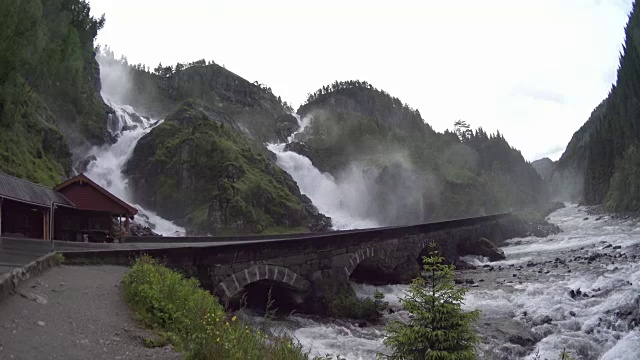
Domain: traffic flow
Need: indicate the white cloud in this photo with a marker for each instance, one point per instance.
(532, 69)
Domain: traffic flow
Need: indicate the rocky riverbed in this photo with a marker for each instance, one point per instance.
(578, 290)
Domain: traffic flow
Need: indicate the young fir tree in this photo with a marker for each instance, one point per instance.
(439, 329)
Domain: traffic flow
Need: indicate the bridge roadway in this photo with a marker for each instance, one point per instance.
(226, 264)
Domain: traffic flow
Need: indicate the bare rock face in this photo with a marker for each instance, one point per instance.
(481, 247)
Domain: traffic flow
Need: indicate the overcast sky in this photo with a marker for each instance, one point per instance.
(532, 69)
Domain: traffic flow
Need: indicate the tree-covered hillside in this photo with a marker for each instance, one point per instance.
(158, 92)
(201, 170)
(455, 174)
(604, 152)
(49, 87)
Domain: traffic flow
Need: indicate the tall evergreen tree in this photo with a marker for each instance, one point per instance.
(439, 329)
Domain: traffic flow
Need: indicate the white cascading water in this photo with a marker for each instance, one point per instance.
(106, 169)
(592, 327)
(332, 198)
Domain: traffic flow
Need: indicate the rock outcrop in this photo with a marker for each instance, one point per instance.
(253, 106)
(481, 247)
(200, 169)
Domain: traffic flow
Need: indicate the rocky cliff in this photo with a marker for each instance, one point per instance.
(200, 169)
(157, 94)
(544, 168)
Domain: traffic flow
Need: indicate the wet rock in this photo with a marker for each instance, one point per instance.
(522, 340)
(542, 320)
(599, 218)
(139, 230)
(469, 281)
(617, 247)
(607, 246)
(572, 313)
(83, 164)
(362, 324)
(482, 247)
(586, 218)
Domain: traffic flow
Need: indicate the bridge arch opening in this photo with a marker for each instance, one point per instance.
(264, 287)
(264, 296)
(373, 271)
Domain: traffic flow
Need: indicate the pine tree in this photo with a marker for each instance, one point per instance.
(439, 328)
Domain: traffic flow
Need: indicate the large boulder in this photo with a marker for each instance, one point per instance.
(481, 247)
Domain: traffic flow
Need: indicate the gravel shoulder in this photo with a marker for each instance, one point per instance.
(73, 312)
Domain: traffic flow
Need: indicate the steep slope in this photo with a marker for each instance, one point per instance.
(411, 173)
(201, 170)
(158, 93)
(604, 151)
(49, 87)
(544, 168)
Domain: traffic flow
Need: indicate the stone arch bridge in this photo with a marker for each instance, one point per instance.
(301, 261)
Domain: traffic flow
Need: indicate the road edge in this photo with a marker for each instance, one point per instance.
(10, 281)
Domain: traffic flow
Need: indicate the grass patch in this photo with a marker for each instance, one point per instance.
(193, 321)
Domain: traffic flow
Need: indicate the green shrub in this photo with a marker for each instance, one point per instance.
(57, 259)
(193, 320)
(347, 305)
(439, 329)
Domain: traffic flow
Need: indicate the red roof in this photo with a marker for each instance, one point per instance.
(87, 195)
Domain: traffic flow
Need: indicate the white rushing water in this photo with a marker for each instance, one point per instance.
(590, 328)
(106, 169)
(332, 198)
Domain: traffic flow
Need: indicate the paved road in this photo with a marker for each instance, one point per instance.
(15, 253)
(73, 313)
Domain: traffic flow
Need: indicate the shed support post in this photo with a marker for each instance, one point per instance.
(45, 227)
(127, 225)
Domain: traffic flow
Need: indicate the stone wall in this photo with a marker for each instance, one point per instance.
(299, 262)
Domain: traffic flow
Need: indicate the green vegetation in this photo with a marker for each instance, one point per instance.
(159, 92)
(345, 304)
(457, 173)
(439, 328)
(48, 83)
(624, 193)
(604, 149)
(193, 321)
(200, 170)
(57, 259)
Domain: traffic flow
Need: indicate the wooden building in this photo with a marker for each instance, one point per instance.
(76, 210)
(95, 210)
(26, 208)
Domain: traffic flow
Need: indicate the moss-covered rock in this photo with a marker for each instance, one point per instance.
(200, 169)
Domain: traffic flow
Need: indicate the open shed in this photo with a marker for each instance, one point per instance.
(94, 212)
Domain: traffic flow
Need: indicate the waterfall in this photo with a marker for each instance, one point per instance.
(109, 160)
(338, 200)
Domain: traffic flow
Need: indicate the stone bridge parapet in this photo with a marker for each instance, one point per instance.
(227, 265)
